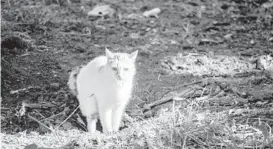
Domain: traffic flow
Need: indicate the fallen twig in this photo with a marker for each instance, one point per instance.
(55, 115)
(39, 113)
(39, 122)
(172, 96)
(39, 105)
(5, 109)
(188, 84)
(128, 118)
(203, 98)
(68, 117)
(74, 34)
(23, 89)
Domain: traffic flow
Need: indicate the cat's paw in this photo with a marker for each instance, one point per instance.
(109, 132)
(94, 134)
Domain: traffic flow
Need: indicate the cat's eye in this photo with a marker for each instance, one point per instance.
(115, 69)
(126, 69)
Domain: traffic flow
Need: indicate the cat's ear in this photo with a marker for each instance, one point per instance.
(133, 55)
(108, 53)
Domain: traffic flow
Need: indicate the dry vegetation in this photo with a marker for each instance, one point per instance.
(205, 72)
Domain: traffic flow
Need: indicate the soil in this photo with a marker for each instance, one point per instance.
(216, 41)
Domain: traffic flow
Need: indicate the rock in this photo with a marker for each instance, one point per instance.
(55, 85)
(252, 42)
(135, 35)
(267, 5)
(152, 13)
(270, 39)
(101, 10)
(228, 36)
(31, 146)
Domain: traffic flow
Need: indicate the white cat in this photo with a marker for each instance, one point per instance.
(103, 88)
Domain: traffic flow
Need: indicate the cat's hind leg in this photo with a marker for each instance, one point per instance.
(89, 109)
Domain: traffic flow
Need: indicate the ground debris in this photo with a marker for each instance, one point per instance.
(198, 64)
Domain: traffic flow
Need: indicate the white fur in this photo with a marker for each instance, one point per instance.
(72, 81)
(104, 92)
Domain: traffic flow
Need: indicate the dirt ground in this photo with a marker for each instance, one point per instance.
(216, 52)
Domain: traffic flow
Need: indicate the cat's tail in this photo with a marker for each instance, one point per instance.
(72, 81)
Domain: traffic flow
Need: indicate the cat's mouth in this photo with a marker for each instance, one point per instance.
(118, 77)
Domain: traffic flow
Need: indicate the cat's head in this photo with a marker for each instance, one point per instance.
(122, 65)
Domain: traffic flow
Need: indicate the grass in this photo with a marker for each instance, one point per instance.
(175, 128)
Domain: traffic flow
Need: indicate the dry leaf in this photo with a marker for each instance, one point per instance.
(265, 128)
(67, 126)
(265, 62)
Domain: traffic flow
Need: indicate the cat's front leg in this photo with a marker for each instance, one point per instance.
(91, 123)
(106, 119)
(117, 114)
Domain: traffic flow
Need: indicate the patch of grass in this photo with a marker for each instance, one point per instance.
(175, 128)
